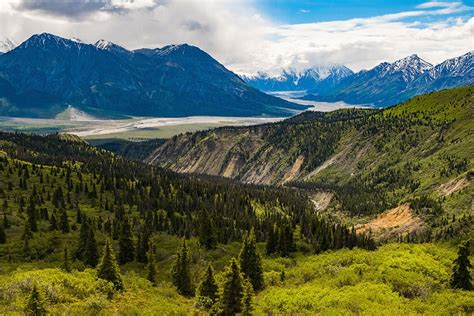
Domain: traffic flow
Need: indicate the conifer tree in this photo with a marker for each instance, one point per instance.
(91, 252)
(3, 235)
(461, 277)
(64, 222)
(272, 241)
(206, 233)
(151, 267)
(247, 299)
(142, 245)
(35, 305)
(126, 248)
(83, 236)
(208, 288)
(181, 272)
(251, 263)
(108, 268)
(31, 213)
(232, 292)
(66, 266)
(53, 223)
(6, 223)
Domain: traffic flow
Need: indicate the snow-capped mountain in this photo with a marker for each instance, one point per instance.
(292, 80)
(391, 83)
(6, 45)
(48, 74)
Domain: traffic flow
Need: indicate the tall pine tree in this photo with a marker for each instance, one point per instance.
(35, 305)
(126, 248)
(251, 263)
(232, 291)
(461, 277)
(108, 268)
(91, 252)
(208, 289)
(181, 271)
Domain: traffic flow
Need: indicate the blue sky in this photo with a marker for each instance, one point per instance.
(259, 35)
(307, 11)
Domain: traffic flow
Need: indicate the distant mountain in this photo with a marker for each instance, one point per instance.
(47, 74)
(6, 45)
(317, 77)
(391, 83)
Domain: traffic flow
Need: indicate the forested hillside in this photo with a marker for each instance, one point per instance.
(419, 153)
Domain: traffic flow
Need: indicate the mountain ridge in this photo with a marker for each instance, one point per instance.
(47, 73)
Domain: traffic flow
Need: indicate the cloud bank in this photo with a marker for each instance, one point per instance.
(244, 39)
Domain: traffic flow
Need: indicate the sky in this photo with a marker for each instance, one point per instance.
(259, 35)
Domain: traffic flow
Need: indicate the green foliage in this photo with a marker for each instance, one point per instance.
(181, 271)
(66, 265)
(126, 248)
(461, 277)
(3, 236)
(247, 298)
(207, 289)
(91, 251)
(108, 268)
(230, 302)
(35, 305)
(151, 267)
(251, 263)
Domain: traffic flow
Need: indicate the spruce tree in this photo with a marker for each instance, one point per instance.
(64, 222)
(31, 213)
(272, 241)
(91, 252)
(126, 248)
(207, 289)
(232, 292)
(35, 305)
(151, 267)
(83, 236)
(206, 233)
(108, 268)
(53, 223)
(3, 235)
(6, 223)
(66, 266)
(251, 263)
(247, 299)
(461, 277)
(181, 271)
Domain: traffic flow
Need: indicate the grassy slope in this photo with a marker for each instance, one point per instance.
(395, 279)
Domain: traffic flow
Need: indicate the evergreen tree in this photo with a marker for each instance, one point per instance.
(151, 267)
(66, 266)
(91, 252)
(53, 223)
(232, 292)
(6, 223)
(461, 277)
(272, 241)
(181, 271)
(206, 232)
(83, 236)
(247, 299)
(207, 289)
(143, 245)
(31, 214)
(251, 263)
(35, 305)
(64, 222)
(108, 268)
(3, 235)
(126, 248)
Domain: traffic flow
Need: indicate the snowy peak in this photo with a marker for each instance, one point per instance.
(409, 67)
(111, 47)
(6, 45)
(455, 67)
(50, 41)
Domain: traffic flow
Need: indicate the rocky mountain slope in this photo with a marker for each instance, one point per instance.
(46, 74)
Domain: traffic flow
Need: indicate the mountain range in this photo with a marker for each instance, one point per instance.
(317, 77)
(384, 85)
(48, 74)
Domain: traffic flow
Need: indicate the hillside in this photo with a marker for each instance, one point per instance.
(47, 74)
(371, 160)
(57, 192)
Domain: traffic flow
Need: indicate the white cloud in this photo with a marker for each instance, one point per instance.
(243, 39)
